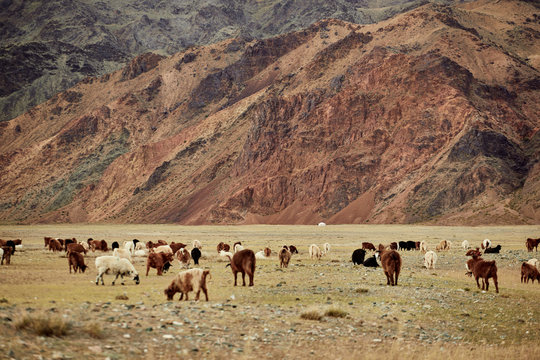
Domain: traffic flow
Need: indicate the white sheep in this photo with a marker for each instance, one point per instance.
(259, 255)
(430, 259)
(122, 253)
(314, 251)
(238, 248)
(115, 266)
(140, 252)
(465, 245)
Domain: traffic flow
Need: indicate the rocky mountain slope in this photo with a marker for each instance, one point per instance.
(49, 46)
(431, 116)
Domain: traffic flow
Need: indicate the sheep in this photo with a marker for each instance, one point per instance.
(529, 271)
(358, 256)
(76, 260)
(226, 254)
(391, 264)
(493, 250)
(122, 253)
(532, 244)
(260, 255)
(314, 252)
(238, 247)
(117, 266)
(486, 243)
(293, 249)
(430, 259)
(284, 258)
(157, 261)
(184, 257)
(423, 246)
(368, 246)
(140, 253)
(197, 244)
(196, 255)
(371, 262)
(465, 245)
(186, 281)
(482, 269)
(326, 248)
(534, 262)
(243, 262)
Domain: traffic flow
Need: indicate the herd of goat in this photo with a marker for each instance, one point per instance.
(159, 256)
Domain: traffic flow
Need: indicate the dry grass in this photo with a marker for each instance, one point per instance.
(441, 307)
(44, 325)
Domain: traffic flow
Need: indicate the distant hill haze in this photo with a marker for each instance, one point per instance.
(431, 116)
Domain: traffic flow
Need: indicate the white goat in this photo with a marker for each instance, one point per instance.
(238, 248)
(534, 262)
(122, 253)
(163, 249)
(465, 245)
(430, 259)
(314, 251)
(326, 248)
(197, 244)
(129, 246)
(423, 246)
(115, 266)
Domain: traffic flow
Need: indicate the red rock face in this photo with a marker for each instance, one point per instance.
(417, 119)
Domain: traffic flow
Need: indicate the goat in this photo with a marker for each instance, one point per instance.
(314, 251)
(293, 249)
(122, 253)
(465, 245)
(535, 263)
(443, 245)
(493, 250)
(195, 255)
(482, 269)
(529, 271)
(284, 258)
(368, 246)
(243, 262)
(485, 244)
(176, 246)
(393, 245)
(54, 245)
(76, 248)
(371, 262)
(157, 261)
(76, 260)
(184, 257)
(6, 255)
(358, 256)
(223, 246)
(532, 244)
(391, 264)
(423, 246)
(186, 281)
(238, 247)
(116, 266)
(430, 259)
(326, 248)
(197, 244)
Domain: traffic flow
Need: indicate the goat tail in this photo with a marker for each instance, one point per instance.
(229, 264)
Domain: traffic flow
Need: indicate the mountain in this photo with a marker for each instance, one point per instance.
(49, 46)
(431, 116)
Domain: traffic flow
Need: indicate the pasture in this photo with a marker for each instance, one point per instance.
(312, 309)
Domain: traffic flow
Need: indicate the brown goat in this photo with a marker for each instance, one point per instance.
(157, 261)
(6, 255)
(76, 248)
(529, 272)
(223, 246)
(46, 240)
(482, 269)
(243, 262)
(76, 260)
(393, 246)
(293, 249)
(284, 257)
(391, 265)
(186, 281)
(531, 244)
(368, 246)
(176, 246)
(267, 252)
(55, 245)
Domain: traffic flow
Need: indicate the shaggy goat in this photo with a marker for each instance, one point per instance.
(284, 258)
(430, 259)
(529, 271)
(391, 264)
(196, 255)
(243, 262)
(314, 251)
(186, 281)
(358, 256)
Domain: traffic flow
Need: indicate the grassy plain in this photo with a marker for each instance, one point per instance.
(431, 313)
